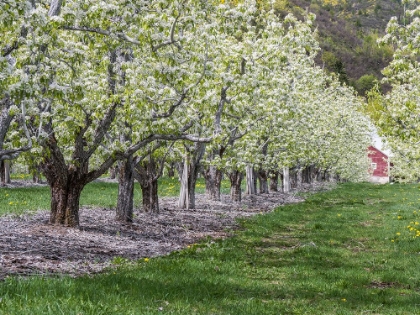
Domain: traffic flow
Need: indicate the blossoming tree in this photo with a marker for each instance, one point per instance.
(396, 114)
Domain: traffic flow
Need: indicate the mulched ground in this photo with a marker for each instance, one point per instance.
(29, 245)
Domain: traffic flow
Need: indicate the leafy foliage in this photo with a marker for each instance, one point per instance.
(396, 113)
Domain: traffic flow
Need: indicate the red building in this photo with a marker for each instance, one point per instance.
(379, 165)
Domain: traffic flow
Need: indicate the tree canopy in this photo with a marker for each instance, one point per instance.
(87, 83)
(396, 113)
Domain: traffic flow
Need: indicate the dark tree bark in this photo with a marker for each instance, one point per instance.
(2, 174)
(7, 172)
(66, 184)
(274, 181)
(299, 179)
(235, 178)
(263, 179)
(124, 211)
(281, 177)
(213, 177)
(113, 172)
(292, 179)
(192, 181)
(305, 175)
(67, 180)
(171, 169)
(150, 197)
(312, 174)
(65, 202)
(147, 173)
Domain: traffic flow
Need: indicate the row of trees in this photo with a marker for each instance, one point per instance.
(226, 88)
(396, 113)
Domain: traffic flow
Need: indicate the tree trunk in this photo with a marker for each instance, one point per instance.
(113, 172)
(147, 175)
(150, 197)
(35, 171)
(299, 178)
(2, 174)
(263, 179)
(183, 194)
(65, 202)
(35, 178)
(255, 182)
(274, 181)
(235, 178)
(286, 180)
(7, 172)
(192, 180)
(313, 174)
(189, 176)
(124, 211)
(180, 169)
(171, 170)
(305, 175)
(292, 178)
(213, 177)
(250, 181)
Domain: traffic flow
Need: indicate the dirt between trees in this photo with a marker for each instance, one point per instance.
(30, 245)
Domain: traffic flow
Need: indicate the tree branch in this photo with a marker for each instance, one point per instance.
(55, 7)
(171, 38)
(171, 109)
(101, 32)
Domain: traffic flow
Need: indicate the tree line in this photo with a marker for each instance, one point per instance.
(218, 87)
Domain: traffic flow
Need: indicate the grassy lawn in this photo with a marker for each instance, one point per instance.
(353, 250)
(20, 200)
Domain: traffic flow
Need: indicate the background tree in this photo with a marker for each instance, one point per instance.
(396, 113)
(14, 16)
(77, 84)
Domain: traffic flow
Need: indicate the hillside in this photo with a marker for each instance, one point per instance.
(348, 30)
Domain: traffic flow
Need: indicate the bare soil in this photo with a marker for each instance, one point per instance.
(30, 245)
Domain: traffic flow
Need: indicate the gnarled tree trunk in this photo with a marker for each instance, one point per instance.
(124, 211)
(65, 199)
(235, 178)
(5, 172)
(150, 197)
(147, 174)
(274, 181)
(263, 179)
(213, 177)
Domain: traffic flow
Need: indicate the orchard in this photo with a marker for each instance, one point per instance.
(218, 88)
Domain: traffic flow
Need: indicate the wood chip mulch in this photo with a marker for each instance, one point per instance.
(30, 245)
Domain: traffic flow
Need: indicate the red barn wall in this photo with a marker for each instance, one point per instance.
(381, 161)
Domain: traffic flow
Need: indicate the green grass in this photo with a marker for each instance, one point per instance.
(353, 250)
(102, 194)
